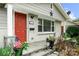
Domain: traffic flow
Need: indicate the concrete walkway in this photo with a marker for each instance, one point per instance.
(34, 47)
(38, 49)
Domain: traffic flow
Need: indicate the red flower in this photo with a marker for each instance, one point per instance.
(18, 44)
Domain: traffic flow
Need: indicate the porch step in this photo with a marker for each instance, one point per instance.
(38, 49)
(42, 53)
(31, 52)
(54, 54)
(34, 48)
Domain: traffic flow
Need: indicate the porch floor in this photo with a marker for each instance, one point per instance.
(38, 49)
(35, 46)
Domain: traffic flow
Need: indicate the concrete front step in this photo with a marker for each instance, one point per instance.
(34, 47)
(38, 49)
(30, 52)
(42, 53)
(54, 54)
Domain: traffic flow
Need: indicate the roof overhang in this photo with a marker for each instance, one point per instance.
(62, 11)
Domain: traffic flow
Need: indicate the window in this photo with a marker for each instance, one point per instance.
(52, 26)
(39, 25)
(45, 25)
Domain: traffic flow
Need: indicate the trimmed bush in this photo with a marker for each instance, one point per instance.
(73, 31)
(7, 51)
(25, 45)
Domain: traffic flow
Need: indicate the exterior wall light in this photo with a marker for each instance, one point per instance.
(31, 16)
(51, 11)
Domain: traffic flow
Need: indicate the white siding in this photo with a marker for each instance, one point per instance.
(57, 14)
(57, 29)
(45, 8)
(39, 8)
(3, 25)
(3, 22)
(41, 11)
(35, 35)
(44, 36)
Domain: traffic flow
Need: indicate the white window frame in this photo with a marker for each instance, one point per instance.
(43, 26)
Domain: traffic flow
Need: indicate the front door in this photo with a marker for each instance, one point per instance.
(20, 26)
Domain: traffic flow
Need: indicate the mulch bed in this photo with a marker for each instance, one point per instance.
(66, 48)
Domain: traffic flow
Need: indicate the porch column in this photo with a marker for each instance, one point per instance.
(9, 20)
(64, 26)
(10, 29)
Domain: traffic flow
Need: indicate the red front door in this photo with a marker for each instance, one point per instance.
(20, 26)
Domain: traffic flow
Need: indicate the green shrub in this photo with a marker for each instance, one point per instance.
(77, 39)
(7, 51)
(25, 45)
(66, 36)
(19, 51)
(72, 31)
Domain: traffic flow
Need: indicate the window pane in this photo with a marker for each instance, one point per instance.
(39, 25)
(40, 22)
(47, 25)
(39, 28)
(52, 26)
(52, 29)
(47, 29)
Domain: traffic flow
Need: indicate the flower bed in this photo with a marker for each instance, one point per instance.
(8, 50)
(66, 48)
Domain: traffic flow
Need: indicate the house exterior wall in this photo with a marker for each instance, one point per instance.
(39, 11)
(57, 14)
(44, 8)
(57, 28)
(3, 25)
(34, 35)
(3, 22)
